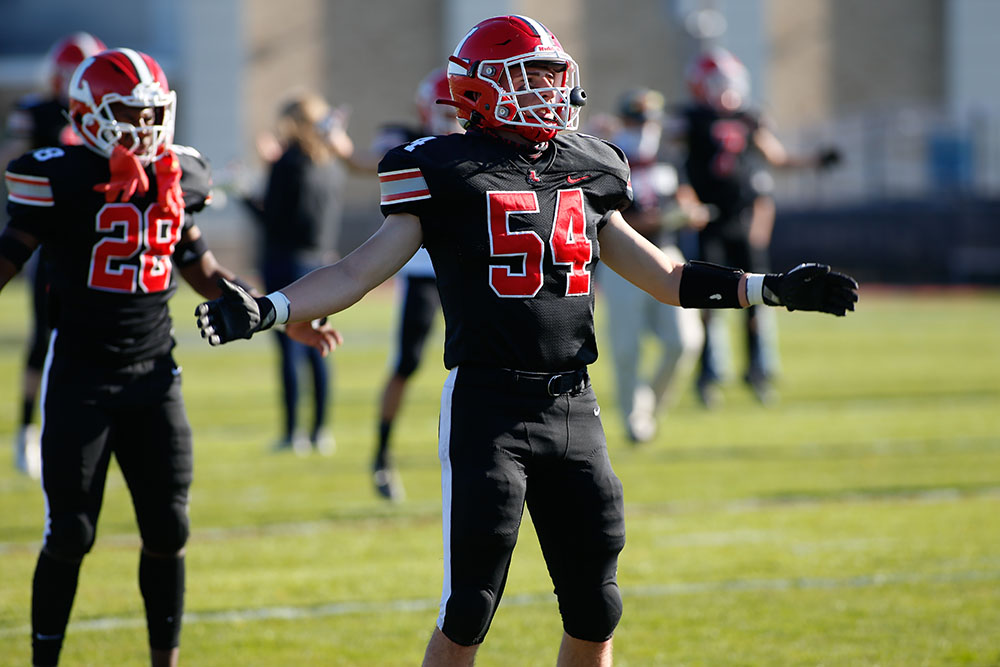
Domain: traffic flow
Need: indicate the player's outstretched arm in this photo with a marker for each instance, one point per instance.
(634, 258)
(327, 290)
(702, 285)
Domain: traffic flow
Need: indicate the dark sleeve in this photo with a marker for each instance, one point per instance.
(402, 183)
(196, 178)
(614, 189)
(30, 196)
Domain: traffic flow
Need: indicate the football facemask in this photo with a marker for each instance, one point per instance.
(494, 81)
(103, 84)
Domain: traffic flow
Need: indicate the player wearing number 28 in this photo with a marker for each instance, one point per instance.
(515, 214)
(114, 216)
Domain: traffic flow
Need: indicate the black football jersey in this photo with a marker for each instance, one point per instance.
(111, 269)
(720, 155)
(513, 241)
(42, 122)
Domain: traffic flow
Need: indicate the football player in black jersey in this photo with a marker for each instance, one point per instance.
(114, 216)
(515, 214)
(37, 122)
(726, 142)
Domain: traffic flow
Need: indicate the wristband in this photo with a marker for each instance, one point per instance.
(281, 305)
(705, 285)
(755, 289)
(188, 253)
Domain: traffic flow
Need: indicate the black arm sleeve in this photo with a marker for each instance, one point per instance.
(705, 285)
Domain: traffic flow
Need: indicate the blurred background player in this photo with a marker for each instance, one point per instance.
(661, 206)
(419, 301)
(728, 147)
(300, 216)
(36, 122)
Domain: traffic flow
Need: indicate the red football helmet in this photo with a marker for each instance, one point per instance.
(65, 55)
(488, 61)
(718, 79)
(122, 77)
(436, 118)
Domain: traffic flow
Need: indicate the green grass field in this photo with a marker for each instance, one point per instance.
(856, 522)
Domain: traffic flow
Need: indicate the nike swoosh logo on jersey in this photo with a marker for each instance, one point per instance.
(571, 180)
(716, 297)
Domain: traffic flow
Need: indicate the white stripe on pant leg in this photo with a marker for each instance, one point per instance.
(444, 454)
(43, 390)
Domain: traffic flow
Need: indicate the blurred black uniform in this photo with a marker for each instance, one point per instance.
(514, 243)
(721, 164)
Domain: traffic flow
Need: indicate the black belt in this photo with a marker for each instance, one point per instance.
(525, 382)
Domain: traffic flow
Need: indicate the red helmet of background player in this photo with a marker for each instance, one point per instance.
(436, 118)
(718, 79)
(479, 73)
(64, 56)
(121, 76)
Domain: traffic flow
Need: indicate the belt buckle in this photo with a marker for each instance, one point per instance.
(548, 385)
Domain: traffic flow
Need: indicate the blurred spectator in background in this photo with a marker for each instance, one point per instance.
(661, 206)
(301, 215)
(419, 301)
(726, 143)
(39, 121)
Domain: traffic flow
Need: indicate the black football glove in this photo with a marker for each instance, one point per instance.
(811, 287)
(829, 157)
(233, 315)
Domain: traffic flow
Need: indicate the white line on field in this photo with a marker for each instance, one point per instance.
(681, 507)
(525, 599)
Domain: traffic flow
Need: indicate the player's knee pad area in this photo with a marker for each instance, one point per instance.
(166, 531)
(70, 536)
(591, 614)
(468, 616)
